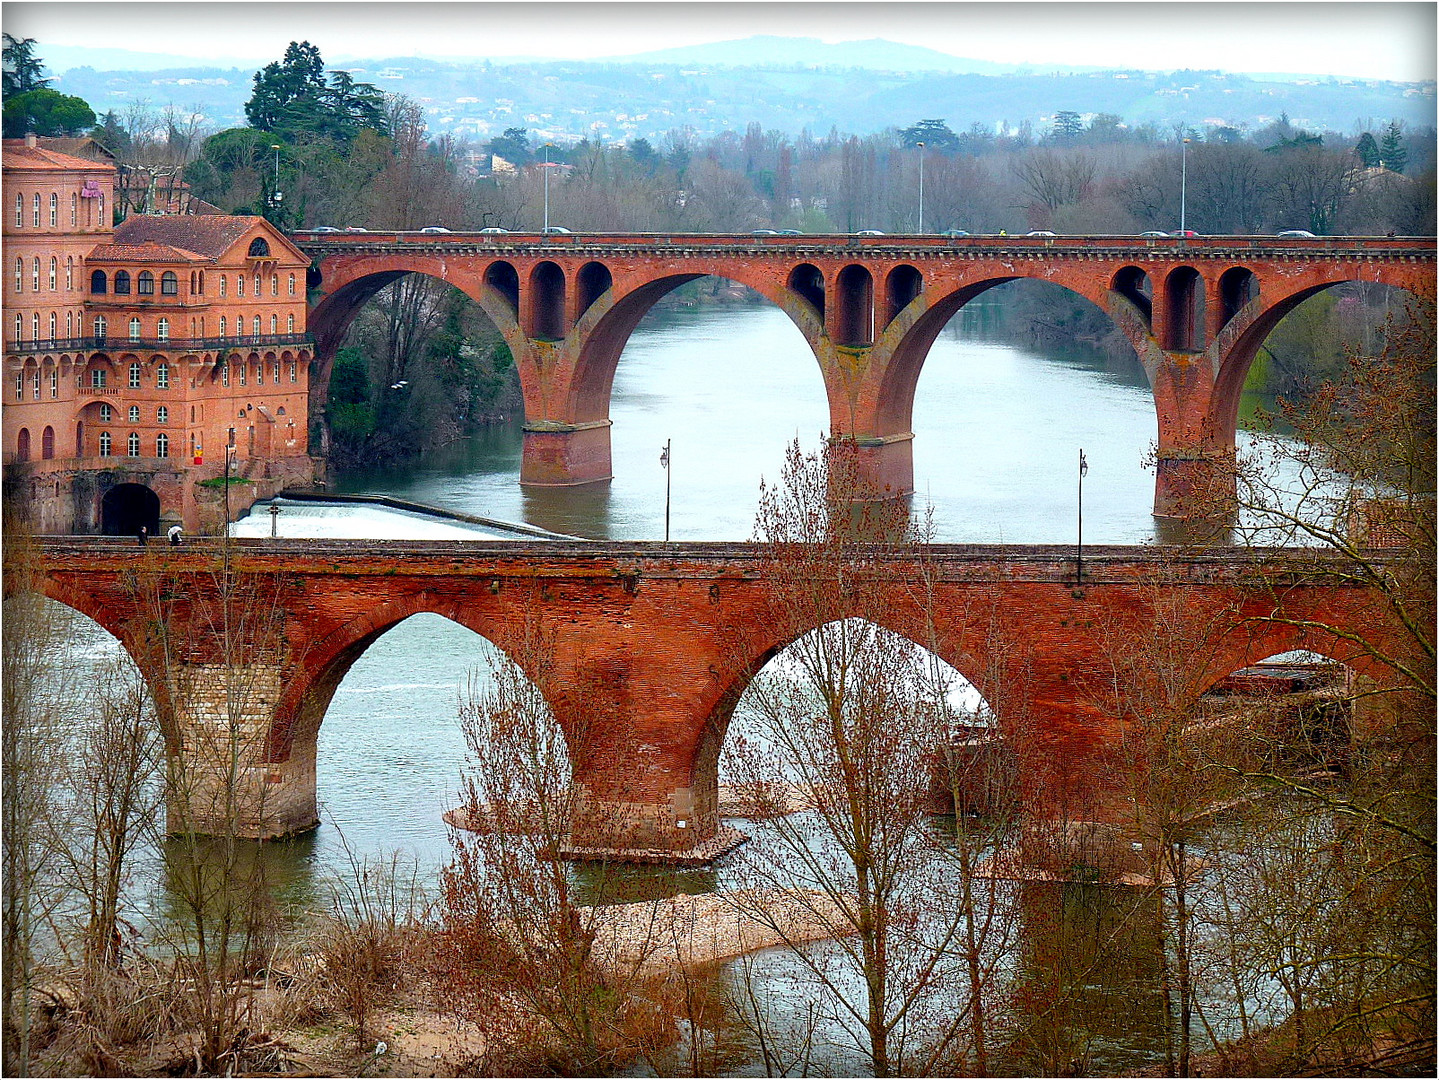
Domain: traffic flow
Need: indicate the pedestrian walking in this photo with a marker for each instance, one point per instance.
(142, 536)
(174, 534)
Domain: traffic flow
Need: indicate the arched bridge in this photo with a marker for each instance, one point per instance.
(1196, 311)
(643, 650)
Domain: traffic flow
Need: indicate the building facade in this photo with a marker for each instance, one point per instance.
(137, 355)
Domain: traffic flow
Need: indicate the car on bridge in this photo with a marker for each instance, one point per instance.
(1155, 233)
(1039, 232)
(324, 228)
(434, 229)
(869, 232)
(1184, 234)
(1292, 234)
(954, 232)
(555, 230)
(493, 231)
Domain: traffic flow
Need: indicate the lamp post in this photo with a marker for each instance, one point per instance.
(1079, 541)
(921, 187)
(229, 456)
(665, 464)
(1183, 181)
(546, 168)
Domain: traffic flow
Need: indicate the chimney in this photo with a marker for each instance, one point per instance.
(30, 139)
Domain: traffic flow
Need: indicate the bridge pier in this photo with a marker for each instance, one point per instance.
(557, 454)
(883, 465)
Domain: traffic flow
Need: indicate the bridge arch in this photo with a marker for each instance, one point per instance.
(545, 312)
(1184, 308)
(854, 307)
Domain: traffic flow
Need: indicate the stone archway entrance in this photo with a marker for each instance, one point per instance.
(126, 507)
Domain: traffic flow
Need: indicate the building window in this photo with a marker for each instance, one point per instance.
(122, 283)
(132, 444)
(19, 274)
(74, 209)
(100, 329)
(19, 328)
(106, 414)
(162, 445)
(22, 445)
(19, 386)
(274, 284)
(222, 284)
(135, 374)
(169, 284)
(259, 373)
(19, 211)
(145, 283)
(225, 373)
(37, 209)
(274, 324)
(54, 382)
(255, 325)
(162, 330)
(257, 284)
(35, 327)
(97, 282)
(222, 326)
(104, 444)
(292, 284)
(291, 323)
(97, 380)
(294, 372)
(47, 443)
(35, 275)
(54, 325)
(69, 325)
(239, 284)
(162, 415)
(35, 385)
(101, 201)
(134, 336)
(134, 414)
(54, 272)
(162, 377)
(70, 274)
(54, 210)
(244, 371)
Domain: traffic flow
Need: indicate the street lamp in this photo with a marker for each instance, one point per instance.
(1183, 181)
(921, 187)
(1079, 541)
(229, 457)
(665, 464)
(276, 194)
(546, 168)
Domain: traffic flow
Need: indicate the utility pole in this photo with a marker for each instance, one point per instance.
(665, 464)
(921, 187)
(1079, 542)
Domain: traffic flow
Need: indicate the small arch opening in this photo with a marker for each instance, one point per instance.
(807, 281)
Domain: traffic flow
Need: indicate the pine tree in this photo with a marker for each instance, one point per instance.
(1392, 154)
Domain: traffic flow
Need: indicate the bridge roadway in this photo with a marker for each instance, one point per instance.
(1196, 311)
(643, 649)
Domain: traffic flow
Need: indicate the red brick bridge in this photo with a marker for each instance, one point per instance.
(643, 650)
(1196, 311)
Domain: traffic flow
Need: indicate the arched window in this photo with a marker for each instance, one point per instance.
(74, 208)
(222, 323)
(134, 376)
(19, 210)
(97, 282)
(134, 414)
(106, 414)
(222, 284)
(257, 284)
(54, 273)
(276, 372)
(162, 445)
(35, 327)
(100, 329)
(145, 283)
(22, 441)
(122, 283)
(162, 377)
(79, 438)
(19, 384)
(255, 325)
(70, 274)
(35, 273)
(133, 444)
(290, 327)
(259, 248)
(162, 330)
(37, 209)
(292, 284)
(54, 325)
(54, 382)
(169, 284)
(134, 332)
(54, 209)
(104, 444)
(19, 328)
(239, 284)
(274, 324)
(69, 325)
(162, 414)
(224, 373)
(35, 384)
(47, 443)
(259, 373)
(274, 284)
(294, 372)
(19, 274)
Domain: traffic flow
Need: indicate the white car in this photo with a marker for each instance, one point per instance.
(434, 229)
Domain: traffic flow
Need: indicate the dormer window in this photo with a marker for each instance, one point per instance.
(259, 248)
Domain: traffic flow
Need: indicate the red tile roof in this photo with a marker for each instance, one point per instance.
(211, 235)
(17, 155)
(148, 252)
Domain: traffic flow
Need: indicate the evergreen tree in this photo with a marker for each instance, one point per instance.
(1367, 151)
(1067, 126)
(1392, 154)
(22, 67)
(46, 112)
(935, 134)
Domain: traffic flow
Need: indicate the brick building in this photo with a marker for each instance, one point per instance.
(135, 354)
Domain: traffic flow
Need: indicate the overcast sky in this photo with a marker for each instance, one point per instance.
(1367, 40)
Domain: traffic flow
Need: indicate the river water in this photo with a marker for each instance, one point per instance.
(998, 431)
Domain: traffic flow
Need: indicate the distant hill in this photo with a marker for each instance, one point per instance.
(784, 84)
